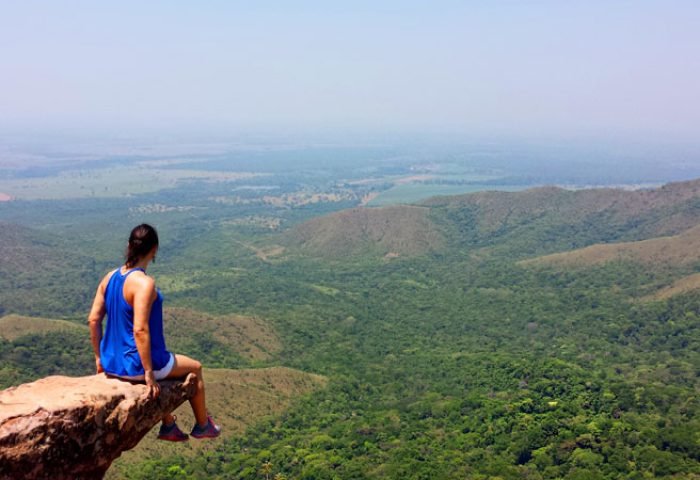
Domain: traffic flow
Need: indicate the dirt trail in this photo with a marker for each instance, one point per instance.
(263, 254)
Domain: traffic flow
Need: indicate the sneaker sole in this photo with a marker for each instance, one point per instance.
(208, 435)
(173, 439)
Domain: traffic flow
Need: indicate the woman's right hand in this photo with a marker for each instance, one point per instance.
(152, 384)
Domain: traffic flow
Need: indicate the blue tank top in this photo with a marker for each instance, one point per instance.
(118, 353)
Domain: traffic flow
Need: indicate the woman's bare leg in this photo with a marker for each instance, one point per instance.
(183, 366)
(168, 419)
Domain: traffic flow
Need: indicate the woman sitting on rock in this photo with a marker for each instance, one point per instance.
(133, 345)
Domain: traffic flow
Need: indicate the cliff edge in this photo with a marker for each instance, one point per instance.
(73, 428)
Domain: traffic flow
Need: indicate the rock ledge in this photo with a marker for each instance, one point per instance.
(74, 427)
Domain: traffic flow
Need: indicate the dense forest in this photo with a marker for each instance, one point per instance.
(447, 355)
(449, 369)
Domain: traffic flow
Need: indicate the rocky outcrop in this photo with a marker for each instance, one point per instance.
(73, 428)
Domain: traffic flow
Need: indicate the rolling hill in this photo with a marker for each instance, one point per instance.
(551, 219)
(250, 337)
(14, 326)
(395, 230)
(677, 250)
(495, 211)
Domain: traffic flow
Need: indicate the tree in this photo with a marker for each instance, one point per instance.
(266, 469)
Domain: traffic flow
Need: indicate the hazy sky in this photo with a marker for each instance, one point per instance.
(518, 67)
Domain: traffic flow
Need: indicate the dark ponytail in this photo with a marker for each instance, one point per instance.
(141, 241)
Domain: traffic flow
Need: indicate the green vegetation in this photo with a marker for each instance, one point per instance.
(492, 370)
(451, 361)
(394, 231)
(38, 355)
(41, 275)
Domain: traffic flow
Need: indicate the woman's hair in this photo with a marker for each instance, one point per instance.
(141, 241)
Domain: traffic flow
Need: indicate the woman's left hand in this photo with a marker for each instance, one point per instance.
(152, 384)
(98, 366)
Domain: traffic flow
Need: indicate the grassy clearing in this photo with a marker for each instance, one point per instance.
(412, 283)
(325, 290)
(177, 283)
(182, 282)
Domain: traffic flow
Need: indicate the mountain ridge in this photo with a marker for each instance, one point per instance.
(526, 223)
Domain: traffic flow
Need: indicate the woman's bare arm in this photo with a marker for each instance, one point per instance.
(97, 314)
(144, 294)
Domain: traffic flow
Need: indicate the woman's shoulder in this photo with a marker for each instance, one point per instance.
(107, 278)
(141, 280)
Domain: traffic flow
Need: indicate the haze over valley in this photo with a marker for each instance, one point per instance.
(406, 240)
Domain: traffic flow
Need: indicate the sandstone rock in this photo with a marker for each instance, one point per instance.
(73, 428)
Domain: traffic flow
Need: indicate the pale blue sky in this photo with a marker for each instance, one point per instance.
(514, 67)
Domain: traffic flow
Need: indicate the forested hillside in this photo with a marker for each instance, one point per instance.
(549, 219)
(453, 358)
(40, 273)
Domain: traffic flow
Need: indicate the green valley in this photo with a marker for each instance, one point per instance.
(540, 334)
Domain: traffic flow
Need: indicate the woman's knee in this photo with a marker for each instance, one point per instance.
(185, 365)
